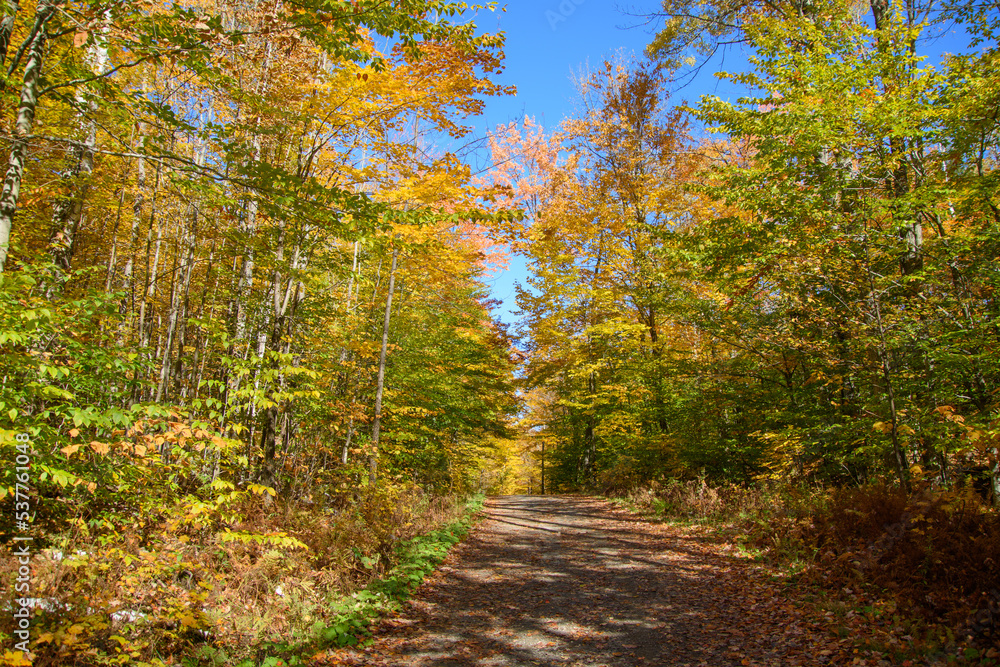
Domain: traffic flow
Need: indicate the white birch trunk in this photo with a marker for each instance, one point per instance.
(380, 385)
(7, 28)
(68, 212)
(23, 127)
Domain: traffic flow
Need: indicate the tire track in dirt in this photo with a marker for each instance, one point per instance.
(560, 580)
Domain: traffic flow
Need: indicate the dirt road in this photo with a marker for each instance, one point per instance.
(577, 581)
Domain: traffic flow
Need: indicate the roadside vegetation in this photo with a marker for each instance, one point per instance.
(917, 571)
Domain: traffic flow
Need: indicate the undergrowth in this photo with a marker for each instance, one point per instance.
(923, 564)
(280, 583)
(352, 616)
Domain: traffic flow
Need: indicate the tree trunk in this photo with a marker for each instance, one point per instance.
(288, 293)
(995, 477)
(149, 290)
(347, 442)
(377, 421)
(911, 231)
(7, 28)
(22, 128)
(883, 353)
(543, 469)
(171, 328)
(343, 358)
(248, 228)
(67, 213)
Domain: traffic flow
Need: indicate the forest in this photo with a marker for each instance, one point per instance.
(250, 359)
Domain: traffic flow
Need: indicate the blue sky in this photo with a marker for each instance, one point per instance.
(548, 43)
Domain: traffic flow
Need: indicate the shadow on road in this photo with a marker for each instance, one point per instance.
(550, 580)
